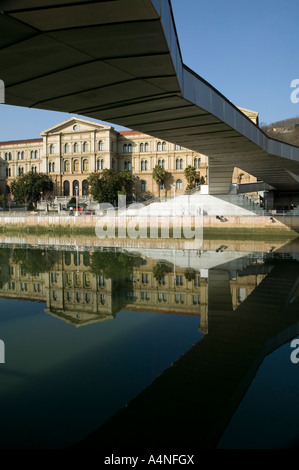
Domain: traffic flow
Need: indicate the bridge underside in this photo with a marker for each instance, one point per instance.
(119, 61)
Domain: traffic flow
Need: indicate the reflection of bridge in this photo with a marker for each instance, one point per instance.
(121, 62)
(190, 405)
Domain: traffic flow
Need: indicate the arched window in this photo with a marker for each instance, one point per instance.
(100, 146)
(102, 165)
(142, 165)
(141, 148)
(84, 188)
(76, 166)
(75, 185)
(66, 148)
(143, 185)
(130, 148)
(125, 165)
(22, 155)
(6, 156)
(19, 155)
(76, 147)
(146, 147)
(51, 167)
(67, 255)
(85, 165)
(161, 164)
(9, 156)
(195, 162)
(67, 166)
(66, 188)
(146, 165)
(177, 164)
(181, 164)
(52, 149)
(199, 162)
(8, 172)
(179, 184)
(21, 171)
(32, 154)
(164, 146)
(85, 147)
(159, 147)
(125, 148)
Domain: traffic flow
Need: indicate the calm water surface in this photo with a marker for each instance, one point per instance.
(86, 332)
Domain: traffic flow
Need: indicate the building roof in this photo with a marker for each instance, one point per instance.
(14, 142)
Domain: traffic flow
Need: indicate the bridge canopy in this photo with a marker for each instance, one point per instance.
(120, 61)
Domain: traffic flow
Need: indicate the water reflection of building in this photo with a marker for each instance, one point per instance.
(76, 294)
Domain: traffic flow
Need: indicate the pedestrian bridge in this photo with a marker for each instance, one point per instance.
(120, 61)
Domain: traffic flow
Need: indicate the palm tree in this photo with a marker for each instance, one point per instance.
(159, 175)
(190, 175)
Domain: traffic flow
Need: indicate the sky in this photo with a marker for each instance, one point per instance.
(248, 50)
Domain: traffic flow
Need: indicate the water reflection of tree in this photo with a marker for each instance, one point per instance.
(160, 269)
(5, 254)
(119, 268)
(34, 262)
(113, 265)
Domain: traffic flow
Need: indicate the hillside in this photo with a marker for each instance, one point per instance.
(286, 130)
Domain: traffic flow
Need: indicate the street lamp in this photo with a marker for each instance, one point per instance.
(77, 197)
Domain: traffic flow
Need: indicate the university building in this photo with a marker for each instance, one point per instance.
(72, 150)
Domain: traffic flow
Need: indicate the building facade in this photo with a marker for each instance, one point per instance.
(72, 150)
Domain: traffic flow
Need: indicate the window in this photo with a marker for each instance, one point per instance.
(128, 166)
(102, 299)
(76, 147)
(145, 165)
(67, 166)
(66, 188)
(75, 127)
(143, 185)
(177, 164)
(179, 280)
(159, 147)
(88, 298)
(22, 155)
(130, 148)
(37, 287)
(102, 281)
(76, 166)
(8, 172)
(24, 286)
(161, 164)
(142, 165)
(146, 147)
(69, 296)
(181, 164)
(100, 165)
(125, 148)
(179, 184)
(84, 188)
(85, 147)
(144, 278)
(66, 148)
(242, 294)
(85, 165)
(78, 296)
(52, 149)
(100, 145)
(19, 155)
(75, 188)
(141, 148)
(33, 169)
(196, 299)
(9, 156)
(51, 167)
(195, 162)
(164, 146)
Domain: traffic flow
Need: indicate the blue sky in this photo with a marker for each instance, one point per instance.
(248, 50)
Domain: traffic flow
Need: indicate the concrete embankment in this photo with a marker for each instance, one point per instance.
(281, 222)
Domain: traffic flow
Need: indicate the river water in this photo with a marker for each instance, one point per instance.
(85, 331)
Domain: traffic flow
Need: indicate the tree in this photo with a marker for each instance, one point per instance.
(34, 262)
(190, 175)
(160, 269)
(107, 187)
(2, 200)
(159, 175)
(30, 187)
